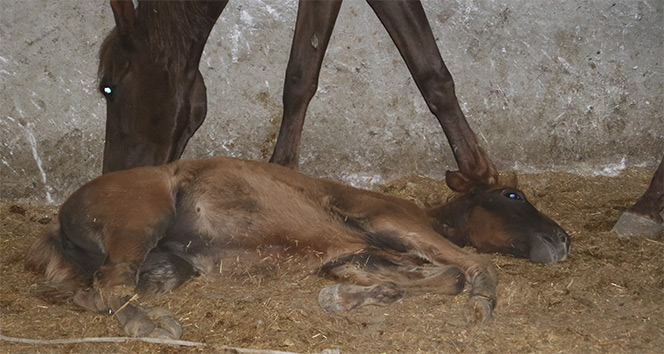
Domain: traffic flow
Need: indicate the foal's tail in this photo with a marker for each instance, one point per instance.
(63, 276)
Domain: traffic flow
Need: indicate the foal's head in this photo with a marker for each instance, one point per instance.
(499, 218)
(148, 73)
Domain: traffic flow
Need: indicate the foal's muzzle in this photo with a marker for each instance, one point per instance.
(550, 248)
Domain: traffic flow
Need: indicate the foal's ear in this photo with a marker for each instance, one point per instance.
(511, 180)
(124, 13)
(458, 182)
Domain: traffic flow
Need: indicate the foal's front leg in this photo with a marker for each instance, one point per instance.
(424, 242)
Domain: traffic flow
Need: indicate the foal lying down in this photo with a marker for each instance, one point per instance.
(147, 230)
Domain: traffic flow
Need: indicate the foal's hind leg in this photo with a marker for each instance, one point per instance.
(136, 322)
(160, 273)
(370, 278)
(128, 246)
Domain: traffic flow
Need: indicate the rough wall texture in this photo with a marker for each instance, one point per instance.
(565, 85)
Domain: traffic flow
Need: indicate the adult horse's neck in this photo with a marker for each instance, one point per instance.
(148, 72)
(175, 32)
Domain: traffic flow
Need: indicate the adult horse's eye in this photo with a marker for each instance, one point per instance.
(107, 91)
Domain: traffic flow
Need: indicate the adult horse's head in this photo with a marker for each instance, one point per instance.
(499, 218)
(148, 73)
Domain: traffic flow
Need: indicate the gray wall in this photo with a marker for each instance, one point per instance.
(563, 85)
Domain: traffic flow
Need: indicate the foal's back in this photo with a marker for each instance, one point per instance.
(225, 205)
(215, 209)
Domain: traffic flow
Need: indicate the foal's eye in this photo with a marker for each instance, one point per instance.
(512, 195)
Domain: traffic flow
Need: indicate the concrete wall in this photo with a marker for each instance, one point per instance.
(563, 85)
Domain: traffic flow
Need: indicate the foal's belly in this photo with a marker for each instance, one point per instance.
(252, 246)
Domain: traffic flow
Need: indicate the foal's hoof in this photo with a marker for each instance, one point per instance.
(480, 309)
(329, 300)
(155, 323)
(167, 327)
(138, 324)
(345, 297)
(631, 224)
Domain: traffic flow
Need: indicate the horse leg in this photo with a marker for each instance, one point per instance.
(161, 272)
(409, 28)
(422, 241)
(134, 266)
(371, 278)
(136, 322)
(644, 217)
(313, 28)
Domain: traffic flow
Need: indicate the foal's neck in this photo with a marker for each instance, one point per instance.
(450, 220)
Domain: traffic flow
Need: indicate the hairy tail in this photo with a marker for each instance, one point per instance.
(63, 276)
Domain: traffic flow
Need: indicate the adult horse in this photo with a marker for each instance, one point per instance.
(644, 218)
(156, 97)
(147, 230)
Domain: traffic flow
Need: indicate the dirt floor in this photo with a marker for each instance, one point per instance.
(608, 296)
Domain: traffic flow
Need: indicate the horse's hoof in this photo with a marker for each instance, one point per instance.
(480, 309)
(167, 326)
(156, 323)
(139, 325)
(345, 297)
(631, 224)
(329, 300)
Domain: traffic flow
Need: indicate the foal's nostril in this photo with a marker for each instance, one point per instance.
(548, 239)
(563, 237)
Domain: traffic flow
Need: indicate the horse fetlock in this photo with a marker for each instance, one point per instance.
(386, 293)
(122, 291)
(91, 299)
(483, 280)
(456, 279)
